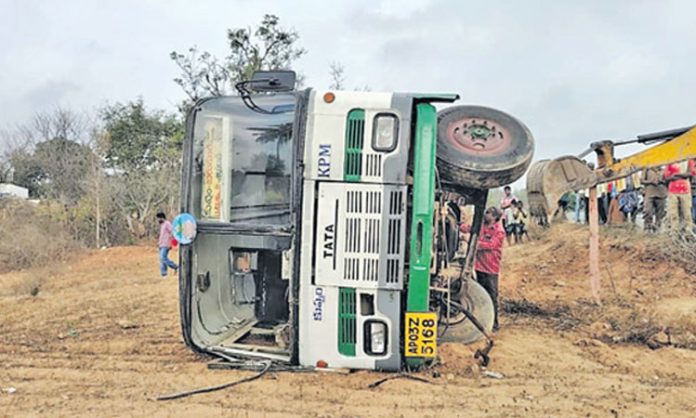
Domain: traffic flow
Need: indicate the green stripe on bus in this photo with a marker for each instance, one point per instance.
(418, 296)
(347, 321)
(355, 138)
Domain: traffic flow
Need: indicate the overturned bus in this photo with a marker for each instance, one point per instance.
(326, 225)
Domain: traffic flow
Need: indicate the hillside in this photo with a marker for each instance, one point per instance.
(101, 338)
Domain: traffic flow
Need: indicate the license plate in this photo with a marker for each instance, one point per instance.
(421, 334)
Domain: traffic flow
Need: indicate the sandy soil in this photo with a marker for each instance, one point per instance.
(101, 338)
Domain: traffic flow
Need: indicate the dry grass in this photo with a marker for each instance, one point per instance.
(31, 239)
(679, 247)
(617, 321)
(103, 338)
(648, 287)
(30, 286)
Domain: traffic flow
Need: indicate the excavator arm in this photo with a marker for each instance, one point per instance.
(680, 148)
(548, 180)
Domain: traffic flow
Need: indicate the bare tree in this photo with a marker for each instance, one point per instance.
(337, 74)
(60, 123)
(139, 197)
(95, 182)
(6, 170)
(48, 155)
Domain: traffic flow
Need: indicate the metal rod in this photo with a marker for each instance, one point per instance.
(479, 208)
(645, 138)
(669, 134)
(656, 136)
(215, 388)
(585, 153)
(594, 245)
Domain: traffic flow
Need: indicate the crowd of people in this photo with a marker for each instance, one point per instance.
(514, 217)
(665, 197)
(662, 195)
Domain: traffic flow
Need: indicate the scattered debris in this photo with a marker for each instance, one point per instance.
(685, 339)
(491, 374)
(397, 376)
(589, 342)
(125, 324)
(9, 390)
(662, 337)
(474, 370)
(522, 307)
(659, 340)
(215, 388)
(229, 363)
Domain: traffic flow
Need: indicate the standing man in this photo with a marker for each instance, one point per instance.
(628, 203)
(520, 216)
(165, 244)
(602, 203)
(679, 201)
(578, 199)
(489, 252)
(655, 200)
(509, 223)
(508, 198)
(506, 206)
(562, 207)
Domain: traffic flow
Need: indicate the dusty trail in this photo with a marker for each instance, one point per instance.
(101, 338)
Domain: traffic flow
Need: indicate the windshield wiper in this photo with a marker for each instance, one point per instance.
(266, 215)
(242, 88)
(260, 205)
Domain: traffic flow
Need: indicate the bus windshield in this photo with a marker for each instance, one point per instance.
(243, 160)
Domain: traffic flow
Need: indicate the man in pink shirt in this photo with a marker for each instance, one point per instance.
(165, 244)
(679, 200)
(489, 253)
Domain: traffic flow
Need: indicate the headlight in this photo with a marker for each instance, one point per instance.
(385, 132)
(376, 338)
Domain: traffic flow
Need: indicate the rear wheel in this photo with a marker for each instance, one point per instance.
(482, 148)
(457, 327)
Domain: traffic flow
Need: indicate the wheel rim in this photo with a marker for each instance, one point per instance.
(479, 136)
(456, 315)
(459, 329)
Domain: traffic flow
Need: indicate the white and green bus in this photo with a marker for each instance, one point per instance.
(326, 228)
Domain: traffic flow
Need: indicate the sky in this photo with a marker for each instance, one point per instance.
(573, 71)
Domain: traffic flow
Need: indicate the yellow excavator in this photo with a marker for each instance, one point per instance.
(548, 180)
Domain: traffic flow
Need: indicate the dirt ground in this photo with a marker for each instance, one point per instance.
(101, 338)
